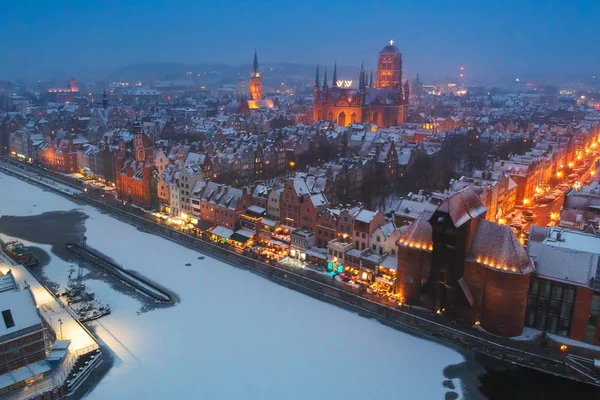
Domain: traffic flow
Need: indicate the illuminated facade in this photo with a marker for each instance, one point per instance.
(454, 261)
(255, 80)
(58, 155)
(384, 103)
(134, 175)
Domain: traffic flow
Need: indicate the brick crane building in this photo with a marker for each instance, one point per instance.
(455, 261)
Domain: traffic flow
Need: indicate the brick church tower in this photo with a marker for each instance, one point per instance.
(255, 80)
(389, 67)
(384, 104)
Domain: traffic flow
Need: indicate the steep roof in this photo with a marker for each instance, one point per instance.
(462, 206)
(495, 246)
(419, 233)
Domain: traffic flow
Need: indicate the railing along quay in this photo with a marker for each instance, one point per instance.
(335, 295)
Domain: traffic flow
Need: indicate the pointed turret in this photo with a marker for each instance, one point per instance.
(362, 82)
(371, 80)
(255, 64)
(316, 87)
(325, 80)
(334, 83)
(406, 90)
(104, 100)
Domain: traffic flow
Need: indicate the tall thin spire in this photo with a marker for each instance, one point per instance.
(361, 80)
(104, 100)
(255, 64)
(371, 80)
(325, 79)
(334, 83)
(317, 77)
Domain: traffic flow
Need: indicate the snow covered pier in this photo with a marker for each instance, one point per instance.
(83, 354)
(142, 285)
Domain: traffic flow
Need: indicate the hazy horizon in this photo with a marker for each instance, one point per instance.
(56, 40)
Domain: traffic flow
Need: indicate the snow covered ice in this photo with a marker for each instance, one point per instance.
(234, 334)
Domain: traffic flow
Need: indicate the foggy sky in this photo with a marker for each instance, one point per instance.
(42, 39)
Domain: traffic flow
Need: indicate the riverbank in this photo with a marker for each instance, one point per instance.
(526, 353)
(294, 338)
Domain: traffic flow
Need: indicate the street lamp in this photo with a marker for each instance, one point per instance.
(61, 333)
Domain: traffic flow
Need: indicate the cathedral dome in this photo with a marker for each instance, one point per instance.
(390, 48)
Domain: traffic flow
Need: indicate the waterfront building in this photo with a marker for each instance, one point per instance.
(456, 262)
(134, 173)
(564, 296)
(23, 334)
(58, 155)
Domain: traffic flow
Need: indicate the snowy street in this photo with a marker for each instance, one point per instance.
(233, 334)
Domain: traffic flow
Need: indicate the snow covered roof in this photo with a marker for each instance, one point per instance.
(387, 229)
(18, 312)
(221, 231)
(495, 246)
(390, 262)
(419, 233)
(256, 209)
(573, 240)
(365, 216)
(319, 200)
(564, 265)
(462, 206)
(301, 187)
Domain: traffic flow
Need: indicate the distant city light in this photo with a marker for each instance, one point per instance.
(518, 80)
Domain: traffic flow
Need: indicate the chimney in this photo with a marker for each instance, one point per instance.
(219, 187)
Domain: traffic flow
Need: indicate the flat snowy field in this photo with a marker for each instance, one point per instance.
(234, 335)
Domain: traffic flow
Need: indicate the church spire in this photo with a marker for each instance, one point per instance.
(361, 80)
(255, 64)
(317, 77)
(334, 83)
(104, 100)
(325, 79)
(371, 80)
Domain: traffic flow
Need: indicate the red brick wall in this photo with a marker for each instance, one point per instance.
(581, 311)
(289, 203)
(504, 303)
(474, 276)
(413, 267)
(139, 190)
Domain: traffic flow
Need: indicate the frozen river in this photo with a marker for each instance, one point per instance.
(234, 334)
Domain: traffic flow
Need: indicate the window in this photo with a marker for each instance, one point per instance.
(535, 286)
(364, 236)
(557, 292)
(8, 319)
(378, 239)
(545, 289)
(374, 247)
(569, 294)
